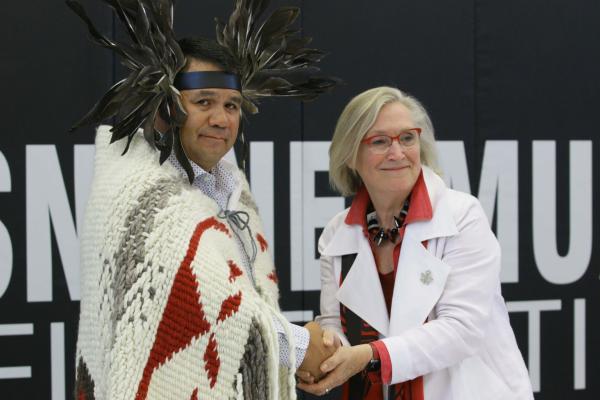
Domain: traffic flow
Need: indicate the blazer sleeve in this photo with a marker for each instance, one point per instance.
(464, 307)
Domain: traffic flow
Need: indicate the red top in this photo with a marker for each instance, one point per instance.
(419, 210)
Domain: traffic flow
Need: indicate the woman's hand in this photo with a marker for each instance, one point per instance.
(332, 342)
(341, 366)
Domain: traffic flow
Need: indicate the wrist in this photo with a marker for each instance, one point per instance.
(365, 354)
(374, 363)
(375, 355)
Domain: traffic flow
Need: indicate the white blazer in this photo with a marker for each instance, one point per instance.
(467, 349)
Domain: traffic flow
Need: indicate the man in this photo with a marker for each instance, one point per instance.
(186, 285)
(179, 292)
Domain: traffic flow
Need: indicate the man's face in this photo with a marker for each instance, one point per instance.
(211, 127)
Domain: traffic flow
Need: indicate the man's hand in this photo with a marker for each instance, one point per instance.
(345, 363)
(330, 338)
(322, 345)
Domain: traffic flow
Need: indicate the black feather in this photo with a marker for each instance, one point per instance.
(273, 60)
(154, 58)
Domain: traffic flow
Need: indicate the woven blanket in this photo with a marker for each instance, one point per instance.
(167, 310)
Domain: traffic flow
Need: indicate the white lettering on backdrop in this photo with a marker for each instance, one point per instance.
(47, 202)
(6, 253)
(555, 268)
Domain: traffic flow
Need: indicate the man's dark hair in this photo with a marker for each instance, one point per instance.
(209, 51)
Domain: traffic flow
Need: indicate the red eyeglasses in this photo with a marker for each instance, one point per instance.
(380, 144)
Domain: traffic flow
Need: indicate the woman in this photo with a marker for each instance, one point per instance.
(410, 272)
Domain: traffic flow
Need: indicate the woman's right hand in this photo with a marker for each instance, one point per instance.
(345, 363)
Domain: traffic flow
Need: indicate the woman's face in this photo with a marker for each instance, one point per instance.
(398, 168)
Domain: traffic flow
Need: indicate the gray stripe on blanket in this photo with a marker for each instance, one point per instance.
(132, 250)
(255, 380)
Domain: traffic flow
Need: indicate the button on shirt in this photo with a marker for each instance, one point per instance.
(219, 184)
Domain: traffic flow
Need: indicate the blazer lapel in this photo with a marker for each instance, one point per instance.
(442, 223)
(345, 240)
(421, 276)
(361, 290)
(420, 279)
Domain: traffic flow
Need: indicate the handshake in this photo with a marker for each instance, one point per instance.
(322, 345)
(328, 364)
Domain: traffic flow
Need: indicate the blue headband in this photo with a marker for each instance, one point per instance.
(207, 79)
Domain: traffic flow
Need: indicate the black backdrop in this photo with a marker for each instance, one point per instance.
(512, 88)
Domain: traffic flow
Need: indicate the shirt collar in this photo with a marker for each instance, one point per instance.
(219, 176)
(419, 209)
(196, 169)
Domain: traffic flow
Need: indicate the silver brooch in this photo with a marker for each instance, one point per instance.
(426, 277)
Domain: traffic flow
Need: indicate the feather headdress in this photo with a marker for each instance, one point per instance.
(271, 59)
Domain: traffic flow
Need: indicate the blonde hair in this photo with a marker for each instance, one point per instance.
(356, 120)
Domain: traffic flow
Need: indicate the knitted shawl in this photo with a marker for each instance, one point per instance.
(167, 309)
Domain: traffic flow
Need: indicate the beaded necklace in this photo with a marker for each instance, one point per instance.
(377, 234)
